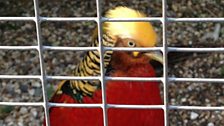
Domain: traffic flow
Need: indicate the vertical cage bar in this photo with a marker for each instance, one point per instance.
(165, 62)
(102, 71)
(42, 68)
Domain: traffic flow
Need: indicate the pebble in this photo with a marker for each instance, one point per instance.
(24, 88)
(36, 84)
(38, 92)
(34, 112)
(20, 124)
(194, 115)
(31, 91)
(183, 100)
(23, 110)
(211, 124)
(10, 124)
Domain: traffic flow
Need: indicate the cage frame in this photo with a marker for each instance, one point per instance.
(99, 20)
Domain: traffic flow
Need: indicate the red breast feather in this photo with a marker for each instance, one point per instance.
(117, 92)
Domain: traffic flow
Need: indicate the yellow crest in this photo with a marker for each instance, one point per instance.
(142, 32)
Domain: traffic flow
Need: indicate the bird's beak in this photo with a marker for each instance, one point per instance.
(135, 54)
(157, 56)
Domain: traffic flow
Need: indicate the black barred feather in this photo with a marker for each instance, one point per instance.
(89, 66)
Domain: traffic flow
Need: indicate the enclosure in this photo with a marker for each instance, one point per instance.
(41, 41)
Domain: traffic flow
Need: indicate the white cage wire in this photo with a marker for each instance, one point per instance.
(99, 19)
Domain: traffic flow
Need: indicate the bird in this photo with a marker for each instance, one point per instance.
(116, 64)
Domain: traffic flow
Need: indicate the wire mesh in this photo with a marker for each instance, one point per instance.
(99, 19)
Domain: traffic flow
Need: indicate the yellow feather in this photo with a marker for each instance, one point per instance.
(142, 32)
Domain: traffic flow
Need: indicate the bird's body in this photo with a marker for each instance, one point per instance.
(126, 64)
(117, 92)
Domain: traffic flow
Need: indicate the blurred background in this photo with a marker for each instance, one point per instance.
(180, 34)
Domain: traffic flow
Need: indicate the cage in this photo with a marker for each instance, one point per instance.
(186, 21)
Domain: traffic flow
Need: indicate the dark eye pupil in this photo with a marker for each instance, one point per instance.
(131, 43)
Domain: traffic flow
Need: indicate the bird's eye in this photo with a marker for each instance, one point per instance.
(131, 44)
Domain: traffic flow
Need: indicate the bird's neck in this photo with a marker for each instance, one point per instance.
(89, 66)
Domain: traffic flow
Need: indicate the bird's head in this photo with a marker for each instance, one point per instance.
(131, 34)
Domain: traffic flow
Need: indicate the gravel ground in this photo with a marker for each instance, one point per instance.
(205, 65)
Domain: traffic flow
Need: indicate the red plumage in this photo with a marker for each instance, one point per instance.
(117, 92)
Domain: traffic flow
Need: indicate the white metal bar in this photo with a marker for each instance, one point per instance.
(214, 108)
(20, 77)
(170, 49)
(165, 64)
(97, 48)
(68, 19)
(176, 49)
(102, 71)
(221, 19)
(206, 80)
(74, 105)
(70, 48)
(22, 103)
(169, 19)
(104, 19)
(58, 48)
(42, 68)
(17, 18)
(71, 78)
(133, 49)
(170, 107)
(135, 106)
(18, 47)
(108, 78)
(155, 79)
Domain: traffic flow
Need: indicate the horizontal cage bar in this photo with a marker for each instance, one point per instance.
(170, 107)
(70, 48)
(20, 77)
(18, 47)
(168, 19)
(156, 79)
(176, 49)
(60, 19)
(133, 49)
(17, 18)
(214, 108)
(74, 105)
(213, 80)
(22, 103)
(71, 78)
(58, 48)
(135, 106)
